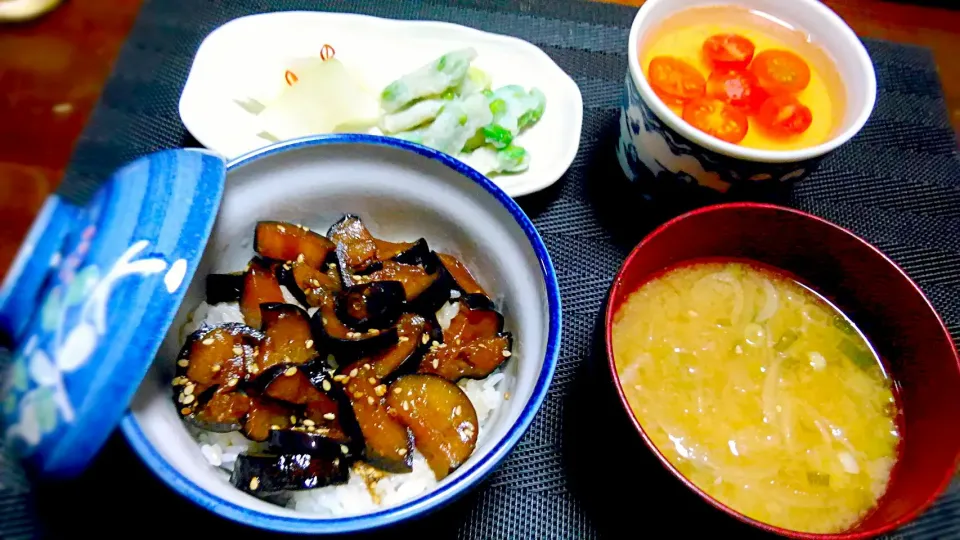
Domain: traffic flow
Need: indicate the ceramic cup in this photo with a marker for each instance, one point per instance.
(655, 141)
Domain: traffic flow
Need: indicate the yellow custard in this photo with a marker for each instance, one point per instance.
(682, 36)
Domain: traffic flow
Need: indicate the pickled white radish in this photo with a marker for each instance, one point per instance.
(325, 98)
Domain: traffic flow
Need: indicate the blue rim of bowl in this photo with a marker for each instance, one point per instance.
(438, 497)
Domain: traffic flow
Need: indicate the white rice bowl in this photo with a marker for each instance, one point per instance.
(354, 497)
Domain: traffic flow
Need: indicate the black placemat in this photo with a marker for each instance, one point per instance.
(579, 472)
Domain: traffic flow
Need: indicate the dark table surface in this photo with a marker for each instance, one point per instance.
(580, 470)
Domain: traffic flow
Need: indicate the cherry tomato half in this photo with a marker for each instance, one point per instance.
(780, 72)
(675, 81)
(784, 116)
(731, 51)
(736, 87)
(717, 118)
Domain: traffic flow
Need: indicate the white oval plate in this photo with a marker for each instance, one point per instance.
(246, 58)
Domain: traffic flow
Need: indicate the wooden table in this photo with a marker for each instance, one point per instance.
(53, 70)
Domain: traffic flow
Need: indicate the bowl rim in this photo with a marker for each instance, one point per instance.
(617, 288)
(439, 496)
(696, 136)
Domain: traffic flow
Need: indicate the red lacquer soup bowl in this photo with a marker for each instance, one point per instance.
(886, 304)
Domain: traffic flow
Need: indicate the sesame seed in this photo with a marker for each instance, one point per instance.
(370, 400)
(354, 372)
(358, 395)
(286, 265)
(309, 343)
(506, 353)
(281, 228)
(457, 341)
(435, 344)
(366, 366)
(215, 368)
(314, 282)
(286, 359)
(371, 380)
(425, 339)
(189, 389)
(305, 228)
(308, 422)
(435, 363)
(344, 449)
(208, 341)
(373, 332)
(397, 390)
(255, 482)
(238, 350)
(330, 416)
(189, 399)
(402, 451)
(336, 462)
(340, 378)
(456, 410)
(180, 398)
(293, 419)
(183, 363)
(300, 258)
(324, 319)
(403, 339)
(326, 385)
(442, 346)
(506, 396)
(332, 266)
(405, 405)
(290, 371)
(311, 429)
(381, 390)
(233, 381)
(254, 369)
(186, 410)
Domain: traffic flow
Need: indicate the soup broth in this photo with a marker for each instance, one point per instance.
(760, 392)
(683, 35)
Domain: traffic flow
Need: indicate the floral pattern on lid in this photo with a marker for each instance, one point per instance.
(90, 297)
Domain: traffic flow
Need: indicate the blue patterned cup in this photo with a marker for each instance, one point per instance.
(658, 146)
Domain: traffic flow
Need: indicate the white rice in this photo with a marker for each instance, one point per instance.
(353, 498)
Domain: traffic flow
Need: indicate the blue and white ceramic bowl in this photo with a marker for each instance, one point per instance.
(655, 142)
(402, 191)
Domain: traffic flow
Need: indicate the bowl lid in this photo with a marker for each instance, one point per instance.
(89, 297)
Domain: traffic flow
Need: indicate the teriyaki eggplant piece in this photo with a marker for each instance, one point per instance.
(387, 442)
(212, 362)
(260, 286)
(473, 345)
(461, 275)
(411, 345)
(415, 279)
(224, 288)
(356, 248)
(218, 409)
(345, 342)
(371, 305)
(288, 338)
(440, 416)
(266, 415)
(309, 285)
(264, 473)
(417, 253)
(289, 242)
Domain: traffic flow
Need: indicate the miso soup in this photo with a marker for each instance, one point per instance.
(760, 392)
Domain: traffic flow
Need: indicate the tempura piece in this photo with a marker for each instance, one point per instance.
(458, 122)
(411, 117)
(430, 80)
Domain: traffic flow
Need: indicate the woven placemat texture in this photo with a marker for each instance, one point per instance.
(579, 472)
